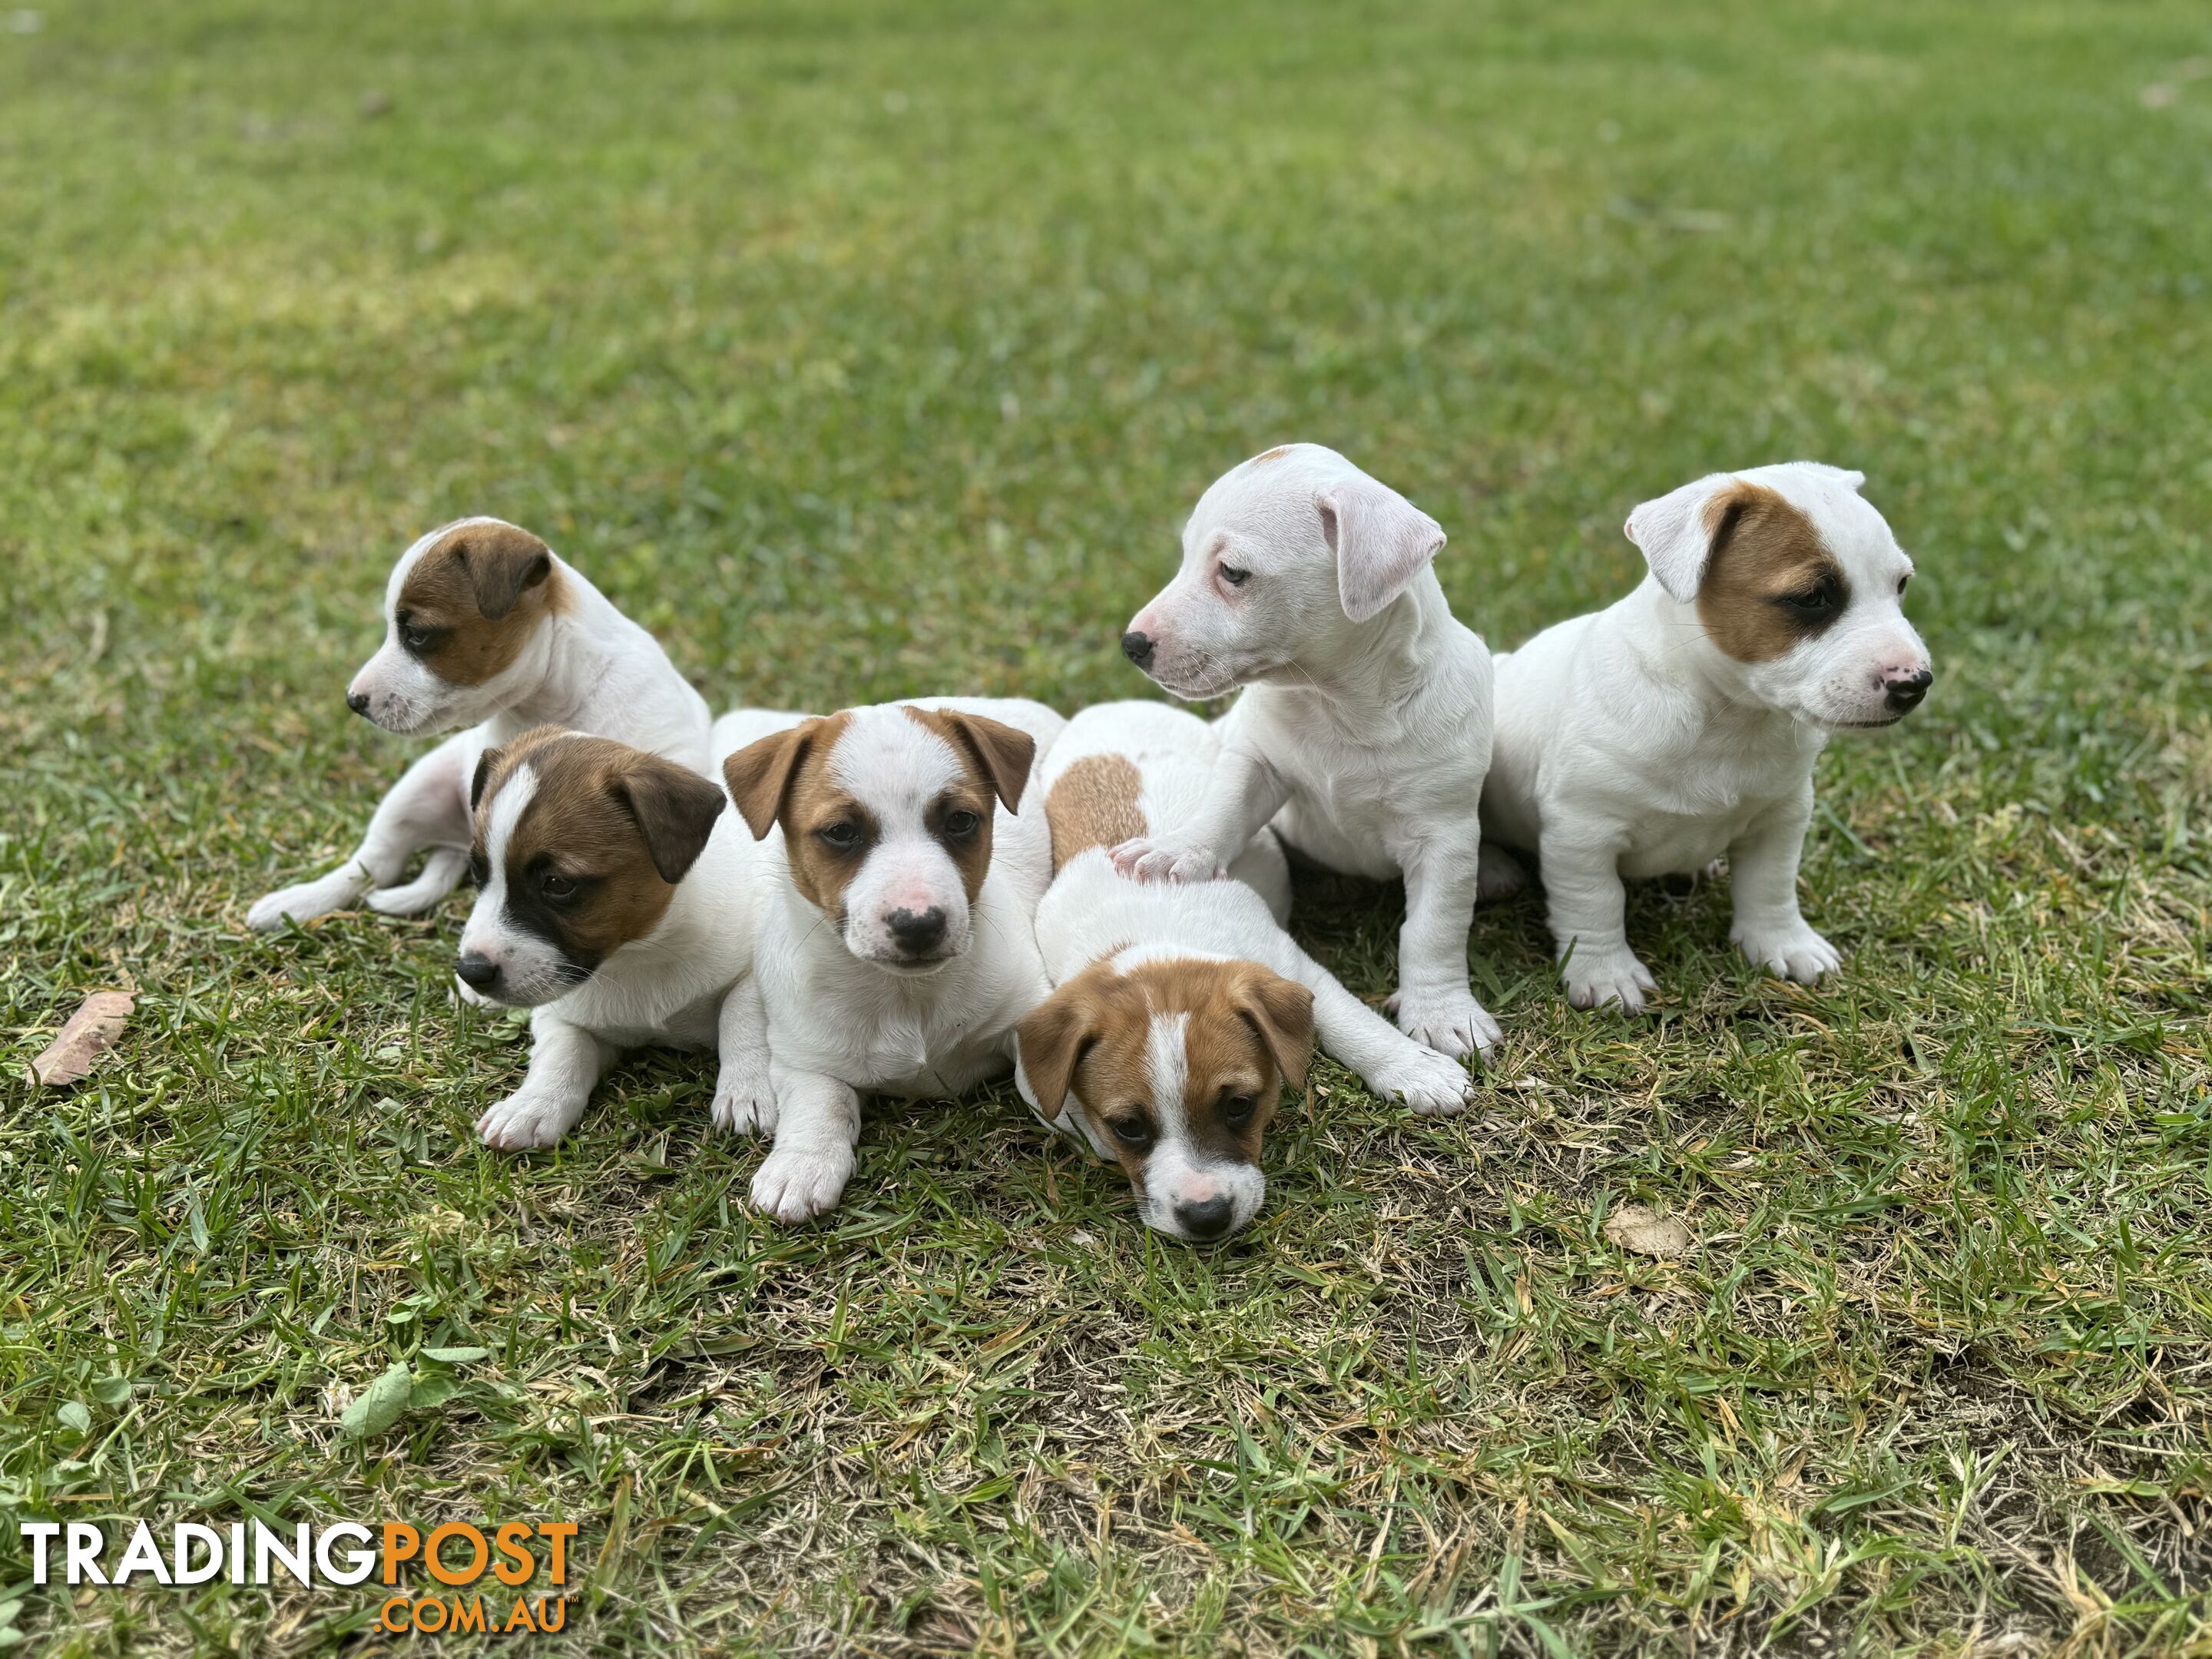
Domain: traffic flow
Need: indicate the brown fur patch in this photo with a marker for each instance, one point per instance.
(480, 592)
(1765, 550)
(1275, 454)
(1094, 804)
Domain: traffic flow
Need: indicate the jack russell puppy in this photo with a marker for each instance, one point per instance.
(1365, 731)
(614, 899)
(895, 951)
(1181, 1009)
(1682, 723)
(487, 627)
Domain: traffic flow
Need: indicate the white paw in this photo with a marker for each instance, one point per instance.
(744, 1103)
(412, 900)
(1165, 860)
(1595, 978)
(1797, 953)
(303, 902)
(795, 1186)
(1430, 1083)
(1451, 1023)
(523, 1122)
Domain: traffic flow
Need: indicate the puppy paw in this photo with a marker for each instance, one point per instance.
(302, 902)
(1797, 953)
(1596, 979)
(1499, 875)
(795, 1186)
(1165, 860)
(1431, 1084)
(744, 1103)
(1452, 1024)
(526, 1123)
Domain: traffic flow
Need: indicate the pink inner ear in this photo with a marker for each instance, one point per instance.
(1381, 540)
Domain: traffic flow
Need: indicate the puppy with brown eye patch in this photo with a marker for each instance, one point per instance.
(1681, 724)
(615, 899)
(486, 628)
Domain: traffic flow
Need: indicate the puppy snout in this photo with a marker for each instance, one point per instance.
(478, 973)
(1137, 646)
(358, 701)
(1208, 1218)
(916, 931)
(1903, 693)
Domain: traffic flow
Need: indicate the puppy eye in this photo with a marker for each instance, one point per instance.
(417, 639)
(479, 870)
(961, 822)
(557, 887)
(1901, 582)
(1814, 602)
(1136, 1131)
(844, 835)
(1237, 1111)
(1235, 577)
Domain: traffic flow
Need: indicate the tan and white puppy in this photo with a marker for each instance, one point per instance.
(1181, 1007)
(1364, 732)
(895, 951)
(487, 627)
(615, 898)
(1681, 723)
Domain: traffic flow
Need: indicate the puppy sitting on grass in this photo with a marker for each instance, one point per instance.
(1681, 723)
(486, 628)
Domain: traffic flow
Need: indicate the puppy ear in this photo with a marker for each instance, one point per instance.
(1381, 542)
(1049, 1045)
(759, 774)
(1840, 474)
(1676, 533)
(1281, 1011)
(999, 752)
(500, 561)
(675, 809)
(485, 763)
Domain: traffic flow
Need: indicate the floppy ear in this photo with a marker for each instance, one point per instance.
(1281, 1011)
(759, 774)
(485, 761)
(1676, 533)
(1049, 1045)
(1381, 542)
(1002, 753)
(500, 561)
(675, 809)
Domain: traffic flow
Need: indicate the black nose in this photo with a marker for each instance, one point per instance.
(478, 973)
(358, 701)
(917, 931)
(1137, 648)
(1903, 696)
(1209, 1219)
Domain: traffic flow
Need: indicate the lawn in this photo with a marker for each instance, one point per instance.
(869, 350)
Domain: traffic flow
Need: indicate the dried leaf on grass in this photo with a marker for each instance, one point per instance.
(97, 1023)
(1634, 1227)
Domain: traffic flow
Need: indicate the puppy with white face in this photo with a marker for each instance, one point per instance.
(1681, 724)
(1180, 1008)
(615, 899)
(1364, 732)
(486, 628)
(895, 949)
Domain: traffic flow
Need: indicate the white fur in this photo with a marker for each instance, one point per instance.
(1364, 732)
(1628, 744)
(592, 668)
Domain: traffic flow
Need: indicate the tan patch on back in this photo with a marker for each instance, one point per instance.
(1094, 804)
(1764, 550)
(444, 592)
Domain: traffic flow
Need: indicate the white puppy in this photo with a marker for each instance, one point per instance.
(895, 950)
(615, 898)
(1682, 723)
(486, 628)
(1179, 1008)
(1365, 732)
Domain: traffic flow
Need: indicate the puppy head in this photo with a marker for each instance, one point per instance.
(1170, 1068)
(887, 816)
(465, 614)
(1285, 559)
(1798, 585)
(580, 842)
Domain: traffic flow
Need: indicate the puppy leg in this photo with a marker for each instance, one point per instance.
(1769, 927)
(1243, 794)
(1501, 876)
(1433, 1004)
(1590, 924)
(441, 872)
(744, 1096)
(566, 1064)
(428, 806)
(1385, 1058)
(818, 1124)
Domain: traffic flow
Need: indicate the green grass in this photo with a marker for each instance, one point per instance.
(864, 350)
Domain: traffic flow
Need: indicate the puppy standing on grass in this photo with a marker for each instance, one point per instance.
(1364, 732)
(1181, 1009)
(1682, 723)
(615, 898)
(895, 951)
(486, 628)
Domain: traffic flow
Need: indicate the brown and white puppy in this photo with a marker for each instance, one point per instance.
(614, 898)
(1681, 724)
(487, 627)
(895, 952)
